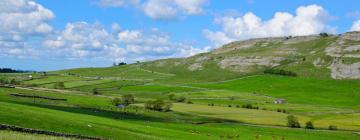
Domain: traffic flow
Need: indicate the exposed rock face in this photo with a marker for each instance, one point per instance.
(344, 71)
(195, 66)
(318, 62)
(352, 36)
(244, 64)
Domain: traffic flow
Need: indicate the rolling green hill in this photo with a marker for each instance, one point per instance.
(227, 93)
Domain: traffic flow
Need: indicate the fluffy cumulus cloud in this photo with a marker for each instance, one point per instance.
(168, 9)
(308, 20)
(117, 3)
(21, 19)
(25, 32)
(160, 9)
(83, 40)
(153, 44)
(356, 26)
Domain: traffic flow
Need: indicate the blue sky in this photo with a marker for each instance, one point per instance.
(59, 34)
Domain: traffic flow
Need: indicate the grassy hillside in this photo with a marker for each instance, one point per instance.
(227, 93)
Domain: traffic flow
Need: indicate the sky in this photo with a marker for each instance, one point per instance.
(48, 35)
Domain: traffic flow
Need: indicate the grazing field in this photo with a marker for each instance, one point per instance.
(278, 88)
(8, 135)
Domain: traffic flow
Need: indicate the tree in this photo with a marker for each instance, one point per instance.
(171, 96)
(3, 81)
(181, 99)
(96, 91)
(14, 82)
(59, 85)
(158, 105)
(333, 127)
(127, 99)
(116, 101)
(309, 125)
(324, 34)
(293, 122)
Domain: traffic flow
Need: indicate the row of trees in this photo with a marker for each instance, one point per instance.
(9, 70)
(280, 72)
(157, 105)
(4, 81)
(293, 122)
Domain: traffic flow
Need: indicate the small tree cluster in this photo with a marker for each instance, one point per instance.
(292, 122)
(280, 72)
(333, 127)
(324, 34)
(309, 125)
(96, 91)
(59, 85)
(119, 64)
(127, 99)
(249, 106)
(158, 105)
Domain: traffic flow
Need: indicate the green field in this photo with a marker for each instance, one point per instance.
(211, 99)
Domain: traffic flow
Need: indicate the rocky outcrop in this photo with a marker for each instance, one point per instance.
(339, 70)
(244, 64)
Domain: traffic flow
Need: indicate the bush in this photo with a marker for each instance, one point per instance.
(181, 99)
(229, 105)
(59, 85)
(189, 102)
(333, 127)
(324, 34)
(280, 72)
(116, 101)
(171, 97)
(4, 81)
(14, 82)
(237, 106)
(96, 91)
(211, 104)
(292, 122)
(158, 105)
(127, 99)
(309, 125)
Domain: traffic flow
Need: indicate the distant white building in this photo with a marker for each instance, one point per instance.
(280, 101)
(30, 76)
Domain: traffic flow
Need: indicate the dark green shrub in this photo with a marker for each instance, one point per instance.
(309, 125)
(116, 101)
(333, 127)
(158, 105)
(59, 85)
(96, 91)
(324, 34)
(181, 99)
(280, 72)
(292, 122)
(127, 99)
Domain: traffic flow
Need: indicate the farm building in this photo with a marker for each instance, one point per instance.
(279, 101)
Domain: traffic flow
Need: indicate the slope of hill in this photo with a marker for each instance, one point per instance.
(229, 92)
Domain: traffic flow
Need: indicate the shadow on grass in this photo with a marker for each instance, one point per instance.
(97, 112)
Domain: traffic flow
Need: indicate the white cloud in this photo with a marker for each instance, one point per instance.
(21, 20)
(191, 7)
(81, 40)
(170, 9)
(308, 20)
(160, 9)
(356, 26)
(117, 3)
(153, 45)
